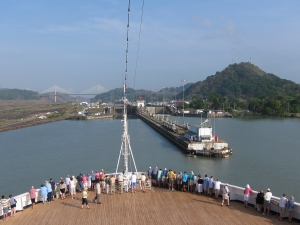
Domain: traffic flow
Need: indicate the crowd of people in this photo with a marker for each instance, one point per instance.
(263, 200)
(100, 182)
(209, 186)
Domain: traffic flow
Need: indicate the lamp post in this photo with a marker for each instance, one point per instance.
(183, 99)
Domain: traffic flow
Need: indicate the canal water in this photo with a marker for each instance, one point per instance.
(265, 152)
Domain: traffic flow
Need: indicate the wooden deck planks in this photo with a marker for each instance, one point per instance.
(159, 206)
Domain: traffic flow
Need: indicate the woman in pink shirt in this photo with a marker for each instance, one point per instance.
(84, 181)
(247, 193)
(32, 194)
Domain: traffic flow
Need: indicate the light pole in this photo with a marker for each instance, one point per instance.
(183, 99)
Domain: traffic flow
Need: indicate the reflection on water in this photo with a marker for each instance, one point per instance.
(265, 152)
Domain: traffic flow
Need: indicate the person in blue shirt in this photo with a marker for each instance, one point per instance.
(205, 184)
(49, 191)
(191, 181)
(184, 181)
(44, 193)
(291, 208)
(164, 177)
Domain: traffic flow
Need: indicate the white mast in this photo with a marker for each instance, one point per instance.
(125, 146)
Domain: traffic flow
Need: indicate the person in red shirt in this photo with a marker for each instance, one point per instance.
(247, 193)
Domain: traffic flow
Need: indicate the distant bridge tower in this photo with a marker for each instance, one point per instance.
(55, 93)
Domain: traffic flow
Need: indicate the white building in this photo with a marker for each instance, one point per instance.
(140, 102)
(199, 133)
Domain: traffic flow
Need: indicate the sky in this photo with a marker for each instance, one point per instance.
(77, 45)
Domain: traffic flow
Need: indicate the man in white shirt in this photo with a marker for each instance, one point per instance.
(133, 183)
(97, 192)
(120, 182)
(217, 185)
(282, 205)
(267, 202)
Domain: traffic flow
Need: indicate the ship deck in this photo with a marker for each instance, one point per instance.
(158, 206)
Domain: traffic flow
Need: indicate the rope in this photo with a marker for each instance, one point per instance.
(138, 49)
(137, 53)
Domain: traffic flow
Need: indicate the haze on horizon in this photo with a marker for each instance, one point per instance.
(77, 45)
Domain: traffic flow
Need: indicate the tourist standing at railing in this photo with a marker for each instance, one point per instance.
(225, 195)
(73, 187)
(217, 186)
(62, 188)
(171, 177)
(143, 179)
(67, 181)
(4, 204)
(191, 181)
(13, 204)
(174, 180)
(211, 185)
(106, 184)
(32, 194)
(247, 193)
(112, 181)
(154, 176)
(260, 200)
(196, 184)
(200, 184)
(283, 202)
(49, 191)
(102, 179)
(267, 202)
(89, 181)
(79, 182)
(133, 183)
(93, 178)
(164, 177)
(179, 181)
(53, 186)
(84, 181)
(159, 177)
(121, 182)
(44, 193)
(97, 192)
(205, 184)
(291, 204)
(184, 181)
(149, 171)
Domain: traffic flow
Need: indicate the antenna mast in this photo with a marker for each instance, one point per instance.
(125, 146)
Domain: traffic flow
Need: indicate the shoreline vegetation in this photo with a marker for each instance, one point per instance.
(22, 116)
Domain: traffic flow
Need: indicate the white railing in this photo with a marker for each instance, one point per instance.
(236, 194)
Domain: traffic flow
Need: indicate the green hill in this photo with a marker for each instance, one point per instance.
(167, 93)
(13, 94)
(243, 80)
(247, 87)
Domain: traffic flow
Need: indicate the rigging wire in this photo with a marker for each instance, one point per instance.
(137, 53)
(138, 49)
